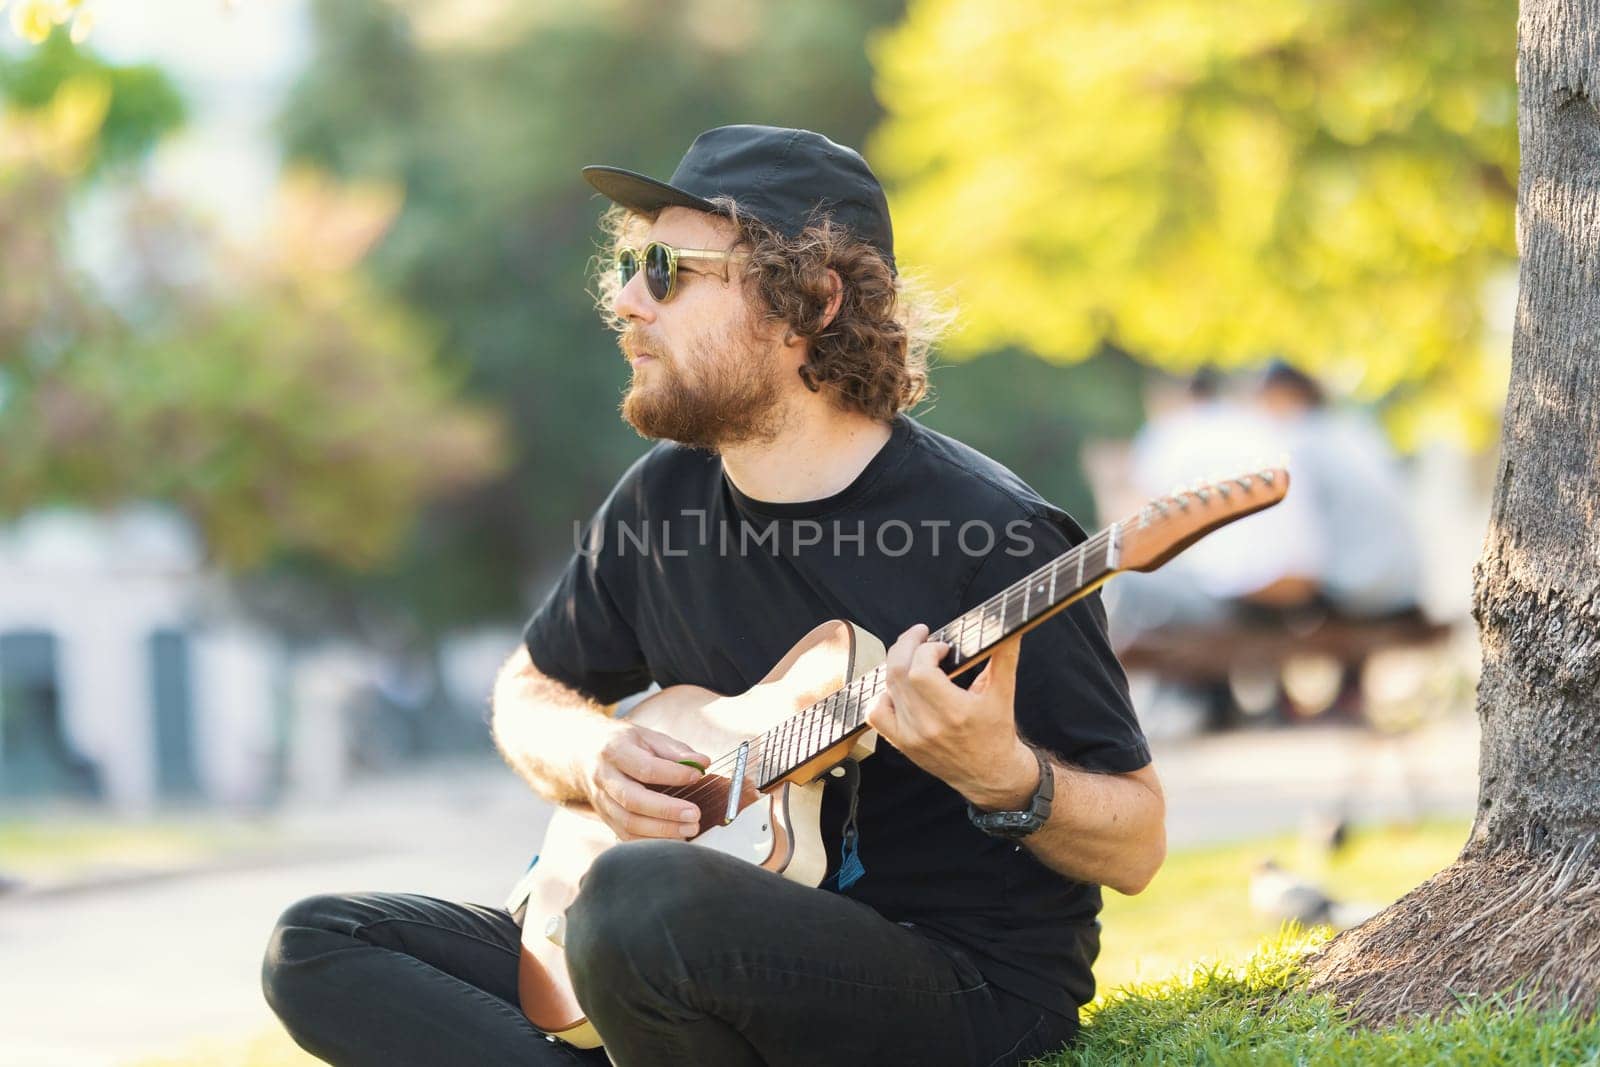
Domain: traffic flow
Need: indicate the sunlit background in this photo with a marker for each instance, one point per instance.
(302, 391)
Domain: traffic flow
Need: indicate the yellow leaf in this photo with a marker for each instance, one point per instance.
(32, 19)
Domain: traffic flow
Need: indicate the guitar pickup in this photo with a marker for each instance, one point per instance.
(736, 783)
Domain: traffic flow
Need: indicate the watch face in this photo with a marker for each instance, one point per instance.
(1009, 823)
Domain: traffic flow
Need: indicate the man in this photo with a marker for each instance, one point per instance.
(773, 351)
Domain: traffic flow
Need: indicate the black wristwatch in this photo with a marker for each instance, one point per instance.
(1015, 825)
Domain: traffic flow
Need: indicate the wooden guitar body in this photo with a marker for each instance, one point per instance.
(778, 829)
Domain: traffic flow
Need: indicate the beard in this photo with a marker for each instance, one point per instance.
(726, 393)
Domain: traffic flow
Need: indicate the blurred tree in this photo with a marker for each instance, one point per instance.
(1036, 416)
(36, 20)
(268, 392)
(143, 105)
(1217, 183)
(486, 126)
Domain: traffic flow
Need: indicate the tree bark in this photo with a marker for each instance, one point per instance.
(1522, 903)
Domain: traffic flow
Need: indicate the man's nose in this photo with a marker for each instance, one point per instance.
(632, 302)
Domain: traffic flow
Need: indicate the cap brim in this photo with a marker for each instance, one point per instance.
(639, 193)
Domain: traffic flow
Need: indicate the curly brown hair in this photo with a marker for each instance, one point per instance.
(872, 357)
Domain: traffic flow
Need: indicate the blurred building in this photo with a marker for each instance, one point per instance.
(130, 678)
(117, 683)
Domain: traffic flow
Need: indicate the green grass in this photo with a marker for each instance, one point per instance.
(1190, 976)
(66, 848)
(1197, 909)
(1257, 1013)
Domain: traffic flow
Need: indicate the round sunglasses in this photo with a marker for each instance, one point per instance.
(660, 264)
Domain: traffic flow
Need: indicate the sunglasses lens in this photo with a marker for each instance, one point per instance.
(627, 265)
(658, 269)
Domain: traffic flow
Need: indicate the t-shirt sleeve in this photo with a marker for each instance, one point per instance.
(1072, 694)
(584, 634)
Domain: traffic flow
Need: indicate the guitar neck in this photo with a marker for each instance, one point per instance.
(971, 637)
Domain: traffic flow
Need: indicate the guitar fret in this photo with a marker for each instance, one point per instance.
(1079, 550)
(794, 746)
(807, 720)
(813, 724)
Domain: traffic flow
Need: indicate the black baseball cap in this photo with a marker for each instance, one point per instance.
(786, 178)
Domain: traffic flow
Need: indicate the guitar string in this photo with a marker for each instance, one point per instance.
(757, 746)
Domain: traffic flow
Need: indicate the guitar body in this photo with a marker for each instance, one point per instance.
(779, 829)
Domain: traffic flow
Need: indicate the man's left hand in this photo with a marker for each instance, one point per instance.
(965, 737)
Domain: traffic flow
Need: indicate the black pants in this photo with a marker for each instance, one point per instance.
(680, 955)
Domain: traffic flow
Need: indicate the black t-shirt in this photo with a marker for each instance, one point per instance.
(683, 579)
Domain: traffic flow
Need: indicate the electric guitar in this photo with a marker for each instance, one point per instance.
(761, 800)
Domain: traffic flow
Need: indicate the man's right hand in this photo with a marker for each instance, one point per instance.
(620, 778)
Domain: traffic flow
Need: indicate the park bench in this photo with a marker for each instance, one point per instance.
(1302, 663)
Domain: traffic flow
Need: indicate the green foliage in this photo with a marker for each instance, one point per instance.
(276, 421)
(1202, 183)
(145, 106)
(268, 393)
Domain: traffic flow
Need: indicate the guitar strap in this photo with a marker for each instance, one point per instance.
(850, 868)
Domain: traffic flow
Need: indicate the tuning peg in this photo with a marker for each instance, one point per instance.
(1243, 482)
(1268, 477)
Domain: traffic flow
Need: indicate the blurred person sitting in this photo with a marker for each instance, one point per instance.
(1344, 468)
(1272, 561)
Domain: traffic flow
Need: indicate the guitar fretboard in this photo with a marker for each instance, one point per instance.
(815, 729)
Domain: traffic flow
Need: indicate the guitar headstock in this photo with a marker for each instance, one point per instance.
(1169, 524)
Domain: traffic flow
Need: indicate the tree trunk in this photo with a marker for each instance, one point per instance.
(1521, 905)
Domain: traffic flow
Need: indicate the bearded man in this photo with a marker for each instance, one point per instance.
(774, 351)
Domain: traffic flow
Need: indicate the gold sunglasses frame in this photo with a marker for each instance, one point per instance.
(673, 256)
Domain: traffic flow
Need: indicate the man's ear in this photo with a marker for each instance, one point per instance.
(836, 284)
